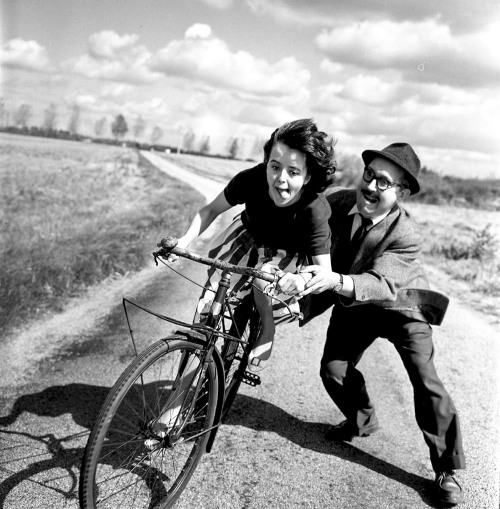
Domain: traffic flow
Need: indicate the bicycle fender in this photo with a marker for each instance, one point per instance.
(220, 397)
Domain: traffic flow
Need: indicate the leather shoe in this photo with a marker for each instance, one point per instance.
(447, 488)
(345, 432)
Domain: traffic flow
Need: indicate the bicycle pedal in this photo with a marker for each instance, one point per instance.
(251, 379)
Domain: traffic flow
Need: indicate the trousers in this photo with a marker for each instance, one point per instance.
(351, 331)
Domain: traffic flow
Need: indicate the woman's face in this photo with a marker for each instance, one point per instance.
(286, 174)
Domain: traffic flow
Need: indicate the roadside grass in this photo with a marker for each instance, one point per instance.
(73, 215)
(464, 244)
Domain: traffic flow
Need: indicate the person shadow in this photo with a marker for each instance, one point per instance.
(83, 402)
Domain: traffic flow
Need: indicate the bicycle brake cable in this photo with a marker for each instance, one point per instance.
(182, 275)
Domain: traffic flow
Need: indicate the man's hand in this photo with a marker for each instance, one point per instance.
(291, 284)
(323, 279)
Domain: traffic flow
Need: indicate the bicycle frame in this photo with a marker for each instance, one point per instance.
(206, 335)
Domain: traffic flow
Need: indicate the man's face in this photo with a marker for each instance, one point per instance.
(371, 201)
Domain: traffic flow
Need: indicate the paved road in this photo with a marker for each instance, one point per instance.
(271, 452)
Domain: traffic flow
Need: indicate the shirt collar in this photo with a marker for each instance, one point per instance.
(375, 220)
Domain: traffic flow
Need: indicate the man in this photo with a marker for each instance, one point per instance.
(380, 290)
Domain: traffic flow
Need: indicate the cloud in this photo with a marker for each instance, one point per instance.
(272, 116)
(424, 51)
(209, 60)
(461, 16)
(114, 57)
(21, 54)
(198, 31)
(219, 4)
(427, 115)
(369, 90)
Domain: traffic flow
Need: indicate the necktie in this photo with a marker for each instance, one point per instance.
(359, 234)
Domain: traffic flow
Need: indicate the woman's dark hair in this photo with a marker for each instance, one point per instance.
(317, 146)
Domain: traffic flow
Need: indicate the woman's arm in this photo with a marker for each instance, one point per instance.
(203, 219)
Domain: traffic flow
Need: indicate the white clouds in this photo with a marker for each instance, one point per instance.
(198, 31)
(369, 89)
(109, 44)
(466, 60)
(114, 57)
(209, 60)
(21, 54)
(219, 4)
(385, 44)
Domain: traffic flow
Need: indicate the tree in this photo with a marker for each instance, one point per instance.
(3, 113)
(156, 134)
(22, 115)
(139, 127)
(233, 148)
(119, 126)
(205, 145)
(74, 121)
(188, 141)
(50, 117)
(258, 149)
(99, 126)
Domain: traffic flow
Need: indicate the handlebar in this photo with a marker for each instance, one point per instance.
(168, 246)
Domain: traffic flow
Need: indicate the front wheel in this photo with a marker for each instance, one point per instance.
(152, 429)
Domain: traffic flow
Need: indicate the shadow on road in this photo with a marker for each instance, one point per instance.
(31, 455)
(83, 402)
(261, 415)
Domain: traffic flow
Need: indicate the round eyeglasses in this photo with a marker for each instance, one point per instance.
(381, 182)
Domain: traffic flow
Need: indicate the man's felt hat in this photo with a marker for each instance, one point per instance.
(404, 156)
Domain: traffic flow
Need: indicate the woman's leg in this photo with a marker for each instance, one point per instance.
(264, 343)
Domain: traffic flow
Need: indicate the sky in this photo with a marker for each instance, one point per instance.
(369, 72)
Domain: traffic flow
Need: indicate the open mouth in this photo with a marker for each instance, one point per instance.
(284, 193)
(370, 198)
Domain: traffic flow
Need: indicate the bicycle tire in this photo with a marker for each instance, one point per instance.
(234, 354)
(127, 462)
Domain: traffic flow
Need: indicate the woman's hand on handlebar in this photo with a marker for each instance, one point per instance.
(182, 243)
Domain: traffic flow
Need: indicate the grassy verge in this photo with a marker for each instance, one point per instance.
(464, 244)
(73, 215)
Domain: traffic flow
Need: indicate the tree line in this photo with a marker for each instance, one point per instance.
(186, 140)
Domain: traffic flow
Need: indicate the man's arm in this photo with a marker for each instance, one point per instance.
(391, 269)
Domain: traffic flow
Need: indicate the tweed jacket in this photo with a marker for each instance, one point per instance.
(385, 269)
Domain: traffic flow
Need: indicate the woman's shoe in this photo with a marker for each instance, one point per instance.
(258, 355)
(255, 365)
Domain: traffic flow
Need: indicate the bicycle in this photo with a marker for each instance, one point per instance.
(164, 411)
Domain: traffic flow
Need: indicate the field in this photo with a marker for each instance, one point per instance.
(74, 214)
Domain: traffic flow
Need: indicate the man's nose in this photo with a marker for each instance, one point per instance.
(372, 185)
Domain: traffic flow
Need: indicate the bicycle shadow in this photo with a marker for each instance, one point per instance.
(260, 415)
(27, 452)
(83, 402)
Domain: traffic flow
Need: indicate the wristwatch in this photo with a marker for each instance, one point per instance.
(339, 285)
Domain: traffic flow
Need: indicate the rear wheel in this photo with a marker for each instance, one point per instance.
(152, 429)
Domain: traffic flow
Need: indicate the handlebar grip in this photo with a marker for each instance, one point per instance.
(168, 242)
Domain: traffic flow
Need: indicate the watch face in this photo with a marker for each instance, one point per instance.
(339, 285)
